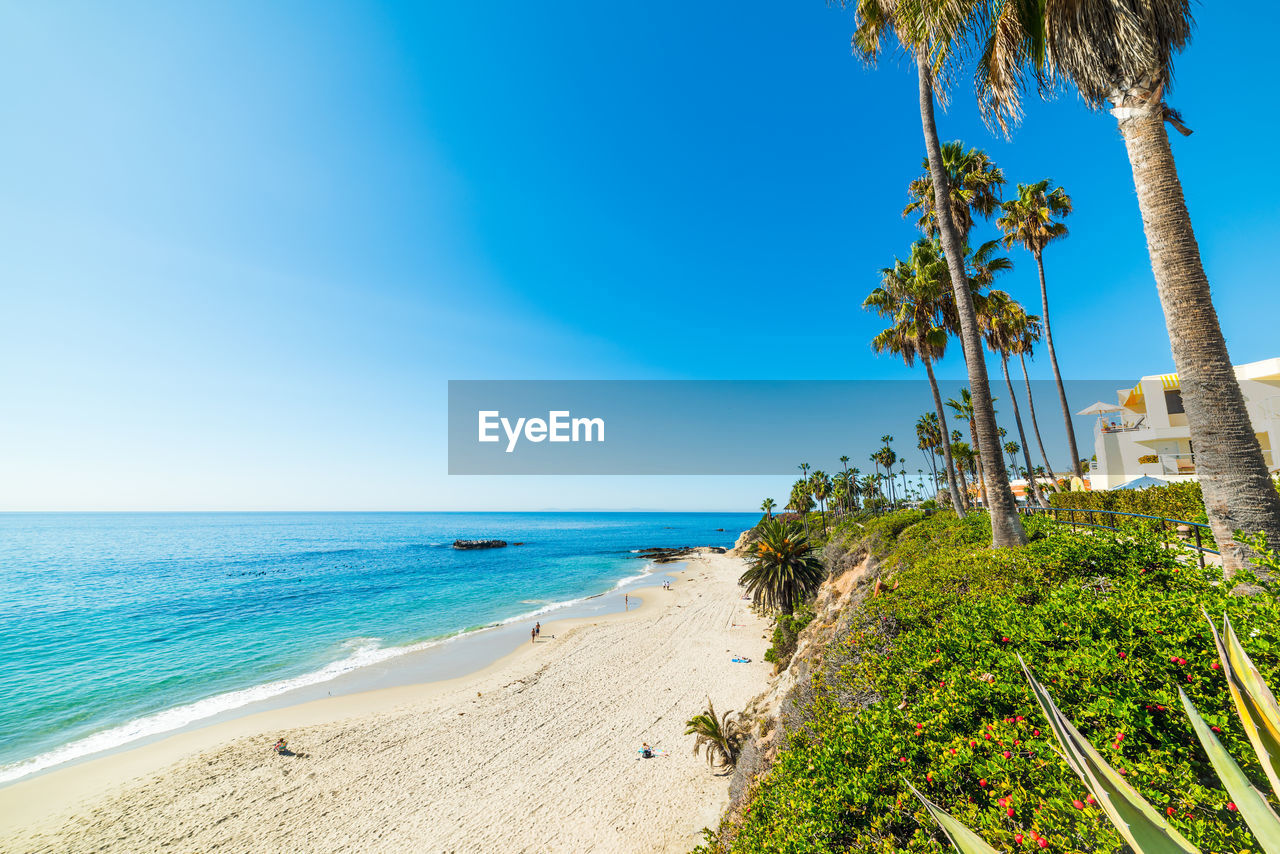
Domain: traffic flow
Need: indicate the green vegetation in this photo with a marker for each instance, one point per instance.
(785, 631)
(925, 688)
(1174, 501)
(1137, 822)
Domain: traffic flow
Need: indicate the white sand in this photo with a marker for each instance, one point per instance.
(535, 753)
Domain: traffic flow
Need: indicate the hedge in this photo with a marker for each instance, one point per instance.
(1175, 501)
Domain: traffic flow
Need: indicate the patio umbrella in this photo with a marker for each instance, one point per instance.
(1142, 483)
(1099, 408)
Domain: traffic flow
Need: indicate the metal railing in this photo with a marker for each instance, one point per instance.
(1196, 527)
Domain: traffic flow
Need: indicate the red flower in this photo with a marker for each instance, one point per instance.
(982, 782)
(1231, 806)
(1042, 842)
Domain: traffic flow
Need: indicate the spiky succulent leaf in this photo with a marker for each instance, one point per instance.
(1253, 806)
(962, 838)
(1254, 700)
(1137, 822)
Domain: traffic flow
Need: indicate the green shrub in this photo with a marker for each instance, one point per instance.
(785, 631)
(1114, 625)
(1174, 501)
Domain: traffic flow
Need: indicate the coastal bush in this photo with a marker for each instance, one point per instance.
(1114, 626)
(785, 632)
(1174, 501)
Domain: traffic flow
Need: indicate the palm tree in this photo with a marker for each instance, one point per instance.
(718, 736)
(1121, 54)
(1012, 448)
(914, 294)
(929, 30)
(1024, 346)
(801, 501)
(839, 493)
(964, 410)
(929, 440)
(1033, 220)
(1006, 326)
(820, 486)
(767, 506)
(783, 568)
(964, 458)
(844, 479)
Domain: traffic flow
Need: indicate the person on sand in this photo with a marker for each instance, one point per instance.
(533, 635)
(537, 629)
(646, 751)
(281, 748)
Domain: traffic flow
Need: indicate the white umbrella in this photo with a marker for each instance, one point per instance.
(1099, 408)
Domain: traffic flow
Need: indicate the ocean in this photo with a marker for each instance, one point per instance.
(116, 627)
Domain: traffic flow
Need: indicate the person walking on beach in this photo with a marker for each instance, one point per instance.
(533, 635)
(626, 601)
(537, 630)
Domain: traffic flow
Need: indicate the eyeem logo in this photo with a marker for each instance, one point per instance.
(558, 426)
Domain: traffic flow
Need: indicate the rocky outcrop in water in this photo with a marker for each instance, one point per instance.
(479, 544)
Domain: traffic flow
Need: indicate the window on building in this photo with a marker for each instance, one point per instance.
(1173, 401)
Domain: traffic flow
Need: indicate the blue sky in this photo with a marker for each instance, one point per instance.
(247, 245)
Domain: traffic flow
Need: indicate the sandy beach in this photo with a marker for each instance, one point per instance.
(537, 752)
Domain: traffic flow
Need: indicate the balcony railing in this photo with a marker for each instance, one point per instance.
(1177, 464)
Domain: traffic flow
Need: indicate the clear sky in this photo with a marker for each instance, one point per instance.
(246, 245)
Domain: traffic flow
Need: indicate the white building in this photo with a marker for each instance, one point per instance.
(1146, 432)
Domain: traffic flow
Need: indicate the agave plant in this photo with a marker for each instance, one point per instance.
(1145, 830)
(718, 737)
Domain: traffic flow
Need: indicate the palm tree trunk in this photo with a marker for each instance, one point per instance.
(1035, 428)
(1238, 492)
(956, 501)
(1006, 525)
(977, 460)
(1057, 376)
(1033, 488)
(964, 484)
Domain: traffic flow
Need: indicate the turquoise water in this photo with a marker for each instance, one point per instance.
(117, 626)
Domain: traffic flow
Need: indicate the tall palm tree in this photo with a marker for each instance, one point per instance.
(1024, 346)
(1006, 326)
(1033, 220)
(783, 568)
(1121, 53)
(1012, 448)
(767, 507)
(964, 457)
(929, 440)
(964, 410)
(844, 479)
(820, 486)
(801, 501)
(914, 293)
(929, 30)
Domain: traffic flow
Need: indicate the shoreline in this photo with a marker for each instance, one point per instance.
(131, 780)
(440, 659)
